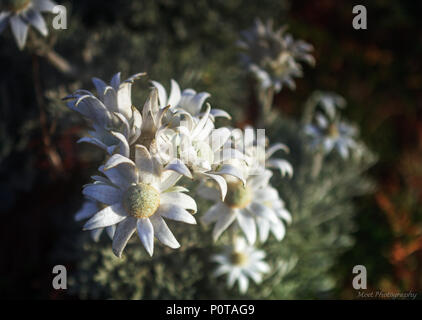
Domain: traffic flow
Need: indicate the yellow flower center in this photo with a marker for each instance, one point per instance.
(238, 258)
(333, 131)
(238, 196)
(141, 200)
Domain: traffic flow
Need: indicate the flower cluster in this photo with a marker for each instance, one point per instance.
(21, 14)
(327, 131)
(147, 153)
(273, 56)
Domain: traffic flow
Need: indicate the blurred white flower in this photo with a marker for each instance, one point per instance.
(250, 205)
(273, 56)
(21, 14)
(140, 196)
(328, 133)
(240, 263)
(116, 122)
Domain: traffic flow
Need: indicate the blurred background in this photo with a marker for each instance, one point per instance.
(378, 71)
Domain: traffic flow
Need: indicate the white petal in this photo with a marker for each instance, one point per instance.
(123, 147)
(274, 148)
(284, 166)
(145, 165)
(124, 99)
(232, 171)
(243, 283)
(35, 18)
(19, 29)
(94, 141)
(214, 213)
(95, 234)
(110, 231)
(168, 180)
(117, 160)
(174, 212)
(223, 222)
(220, 113)
(263, 228)
(123, 233)
(175, 94)
(106, 217)
(219, 137)
(115, 81)
(162, 94)
(278, 229)
(247, 224)
(110, 99)
(179, 199)
(146, 234)
(221, 270)
(222, 184)
(89, 208)
(233, 276)
(262, 211)
(163, 233)
(122, 176)
(103, 193)
(179, 167)
(100, 86)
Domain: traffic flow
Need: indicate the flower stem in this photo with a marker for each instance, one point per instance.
(49, 150)
(317, 164)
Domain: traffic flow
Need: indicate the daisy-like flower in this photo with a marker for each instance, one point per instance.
(328, 133)
(21, 14)
(247, 205)
(240, 263)
(140, 195)
(116, 122)
(197, 147)
(273, 56)
(187, 101)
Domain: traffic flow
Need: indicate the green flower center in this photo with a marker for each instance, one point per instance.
(237, 196)
(16, 5)
(238, 258)
(141, 200)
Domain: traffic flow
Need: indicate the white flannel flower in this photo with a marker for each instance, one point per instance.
(240, 263)
(332, 133)
(117, 124)
(199, 150)
(249, 205)
(21, 14)
(140, 196)
(273, 56)
(187, 101)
